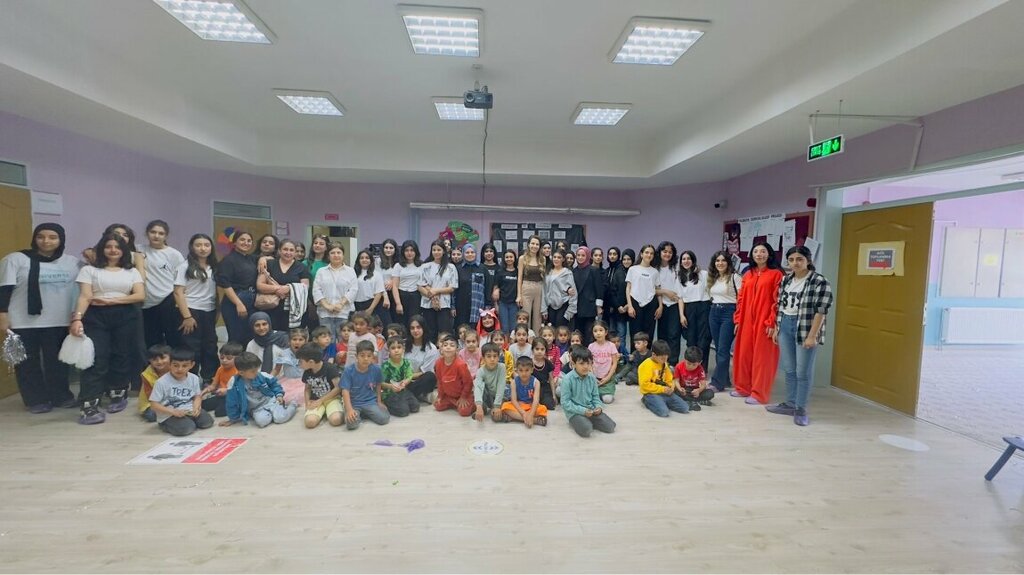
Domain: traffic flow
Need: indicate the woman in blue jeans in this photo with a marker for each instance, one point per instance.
(723, 286)
(506, 290)
(805, 297)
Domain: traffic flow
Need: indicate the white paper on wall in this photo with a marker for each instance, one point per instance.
(559, 235)
(789, 233)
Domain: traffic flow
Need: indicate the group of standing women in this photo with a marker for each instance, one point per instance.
(123, 297)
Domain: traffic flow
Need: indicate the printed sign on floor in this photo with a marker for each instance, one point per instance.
(186, 450)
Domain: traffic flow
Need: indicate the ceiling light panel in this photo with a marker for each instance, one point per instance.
(438, 31)
(455, 109)
(311, 103)
(223, 20)
(599, 114)
(656, 41)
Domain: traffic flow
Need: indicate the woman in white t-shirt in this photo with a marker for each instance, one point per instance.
(37, 293)
(106, 312)
(405, 282)
(723, 285)
(695, 302)
(195, 294)
(642, 284)
(370, 286)
(334, 290)
(160, 317)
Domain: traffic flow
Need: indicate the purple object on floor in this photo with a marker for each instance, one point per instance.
(410, 446)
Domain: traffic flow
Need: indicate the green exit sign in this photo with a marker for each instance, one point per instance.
(825, 148)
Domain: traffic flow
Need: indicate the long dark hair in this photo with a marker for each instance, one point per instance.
(194, 270)
(359, 267)
(804, 251)
(386, 262)
(426, 334)
(772, 262)
(101, 257)
(445, 258)
(131, 235)
(691, 275)
(657, 254)
(494, 250)
(515, 258)
(713, 274)
(311, 255)
(416, 261)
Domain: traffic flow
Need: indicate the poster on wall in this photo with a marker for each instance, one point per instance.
(880, 259)
(781, 231)
(225, 229)
(458, 233)
(515, 236)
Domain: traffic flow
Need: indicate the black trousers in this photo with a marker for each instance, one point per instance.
(160, 323)
(410, 307)
(217, 404)
(644, 320)
(670, 330)
(112, 330)
(402, 403)
(556, 316)
(181, 426)
(586, 326)
(238, 326)
(423, 384)
(383, 314)
(698, 328)
(437, 321)
(42, 378)
(203, 342)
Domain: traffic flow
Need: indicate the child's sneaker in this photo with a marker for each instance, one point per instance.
(91, 414)
(540, 420)
(694, 406)
(706, 402)
(149, 415)
(118, 400)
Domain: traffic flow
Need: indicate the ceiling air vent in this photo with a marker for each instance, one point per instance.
(233, 210)
(14, 174)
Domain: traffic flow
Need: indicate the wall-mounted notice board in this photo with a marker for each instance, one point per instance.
(514, 236)
(783, 232)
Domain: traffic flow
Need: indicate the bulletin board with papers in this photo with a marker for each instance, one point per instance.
(781, 231)
(515, 236)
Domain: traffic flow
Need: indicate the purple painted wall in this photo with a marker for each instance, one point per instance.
(102, 183)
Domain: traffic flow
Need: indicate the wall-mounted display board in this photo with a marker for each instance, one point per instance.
(514, 236)
(782, 231)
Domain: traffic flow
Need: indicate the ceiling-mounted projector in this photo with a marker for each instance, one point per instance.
(478, 99)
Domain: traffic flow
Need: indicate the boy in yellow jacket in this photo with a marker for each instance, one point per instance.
(657, 386)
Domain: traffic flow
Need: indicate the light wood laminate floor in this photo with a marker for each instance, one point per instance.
(729, 489)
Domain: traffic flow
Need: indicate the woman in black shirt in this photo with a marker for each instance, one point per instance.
(506, 290)
(284, 270)
(236, 276)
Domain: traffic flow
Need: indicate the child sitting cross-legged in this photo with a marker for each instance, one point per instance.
(397, 372)
(489, 384)
(581, 401)
(693, 382)
(657, 386)
(215, 393)
(159, 357)
(641, 351)
(454, 384)
(321, 381)
(525, 403)
(360, 387)
(256, 395)
(177, 398)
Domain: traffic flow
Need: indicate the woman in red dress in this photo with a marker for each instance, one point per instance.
(756, 357)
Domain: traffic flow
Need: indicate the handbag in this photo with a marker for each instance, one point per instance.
(267, 301)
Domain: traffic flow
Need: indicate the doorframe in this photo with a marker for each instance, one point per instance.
(307, 234)
(828, 223)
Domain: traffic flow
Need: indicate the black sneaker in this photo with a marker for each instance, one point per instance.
(782, 409)
(694, 406)
(91, 414)
(706, 402)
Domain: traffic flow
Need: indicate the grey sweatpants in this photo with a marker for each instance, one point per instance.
(181, 426)
(584, 426)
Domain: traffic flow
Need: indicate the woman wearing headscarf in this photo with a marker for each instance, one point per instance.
(37, 294)
(266, 343)
(615, 297)
(589, 292)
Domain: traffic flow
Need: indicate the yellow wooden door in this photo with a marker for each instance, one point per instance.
(879, 319)
(15, 234)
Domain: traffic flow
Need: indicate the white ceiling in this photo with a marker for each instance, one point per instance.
(127, 72)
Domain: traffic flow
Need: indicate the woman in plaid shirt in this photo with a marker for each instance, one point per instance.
(805, 297)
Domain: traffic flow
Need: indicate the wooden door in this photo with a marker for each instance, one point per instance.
(879, 319)
(15, 234)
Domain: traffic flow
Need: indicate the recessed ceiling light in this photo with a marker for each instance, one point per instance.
(312, 103)
(438, 31)
(222, 20)
(455, 109)
(599, 114)
(658, 41)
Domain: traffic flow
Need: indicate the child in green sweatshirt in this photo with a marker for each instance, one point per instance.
(581, 400)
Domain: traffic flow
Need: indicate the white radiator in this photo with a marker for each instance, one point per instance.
(982, 325)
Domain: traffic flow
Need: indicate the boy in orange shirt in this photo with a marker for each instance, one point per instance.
(214, 393)
(454, 384)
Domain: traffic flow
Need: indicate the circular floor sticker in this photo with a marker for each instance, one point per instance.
(904, 442)
(486, 447)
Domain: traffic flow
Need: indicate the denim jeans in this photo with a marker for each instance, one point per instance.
(797, 363)
(722, 334)
(334, 324)
(507, 315)
(373, 412)
(661, 404)
(618, 322)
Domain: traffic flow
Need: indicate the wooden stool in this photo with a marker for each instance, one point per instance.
(1015, 443)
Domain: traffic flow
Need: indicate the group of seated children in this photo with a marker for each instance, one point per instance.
(362, 378)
